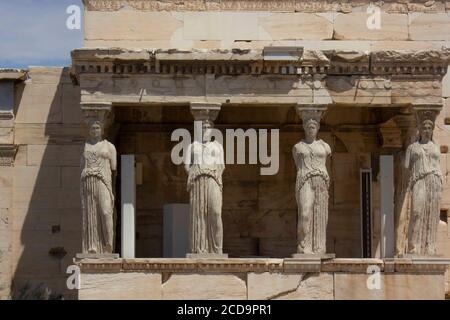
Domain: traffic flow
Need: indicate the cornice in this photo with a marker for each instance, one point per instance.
(288, 61)
(243, 265)
(13, 74)
(391, 6)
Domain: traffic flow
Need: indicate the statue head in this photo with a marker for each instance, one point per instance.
(426, 128)
(425, 124)
(207, 127)
(311, 129)
(95, 130)
(311, 123)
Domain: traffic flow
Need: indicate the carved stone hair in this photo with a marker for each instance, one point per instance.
(309, 116)
(92, 121)
(426, 115)
(208, 123)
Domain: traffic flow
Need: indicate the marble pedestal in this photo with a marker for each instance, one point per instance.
(97, 256)
(261, 279)
(309, 256)
(421, 257)
(206, 256)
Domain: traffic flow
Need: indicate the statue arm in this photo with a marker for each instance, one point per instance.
(187, 159)
(113, 163)
(82, 161)
(408, 157)
(294, 155)
(113, 158)
(221, 159)
(328, 149)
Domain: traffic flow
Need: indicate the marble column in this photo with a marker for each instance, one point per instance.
(312, 185)
(422, 159)
(97, 184)
(204, 164)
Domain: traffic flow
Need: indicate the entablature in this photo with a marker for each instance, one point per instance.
(271, 60)
(283, 75)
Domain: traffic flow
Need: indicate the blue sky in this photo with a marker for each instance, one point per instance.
(34, 33)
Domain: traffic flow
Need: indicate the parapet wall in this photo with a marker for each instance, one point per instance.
(261, 279)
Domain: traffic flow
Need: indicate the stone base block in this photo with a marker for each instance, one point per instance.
(422, 257)
(394, 286)
(312, 256)
(297, 286)
(97, 256)
(196, 286)
(270, 279)
(206, 256)
(120, 286)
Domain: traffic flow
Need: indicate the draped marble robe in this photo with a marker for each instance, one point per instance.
(205, 167)
(311, 193)
(97, 197)
(423, 160)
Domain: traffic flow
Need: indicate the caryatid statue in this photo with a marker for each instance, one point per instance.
(311, 189)
(99, 165)
(205, 165)
(423, 160)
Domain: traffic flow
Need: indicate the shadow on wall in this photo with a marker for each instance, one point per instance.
(46, 200)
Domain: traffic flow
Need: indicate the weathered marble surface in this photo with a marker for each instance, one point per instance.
(178, 279)
(120, 286)
(278, 286)
(423, 160)
(392, 287)
(204, 287)
(311, 189)
(257, 23)
(99, 164)
(204, 164)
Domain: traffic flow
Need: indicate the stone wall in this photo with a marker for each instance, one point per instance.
(5, 231)
(258, 23)
(40, 216)
(260, 279)
(45, 203)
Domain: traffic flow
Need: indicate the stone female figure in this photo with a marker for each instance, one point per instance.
(423, 160)
(311, 189)
(99, 164)
(205, 165)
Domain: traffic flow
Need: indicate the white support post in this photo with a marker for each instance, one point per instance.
(128, 197)
(387, 206)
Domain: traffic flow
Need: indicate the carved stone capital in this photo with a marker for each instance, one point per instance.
(7, 154)
(311, 111)
(13, 74)
(101, 112)
(391, 135)
(426, 112)
(205, 111)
